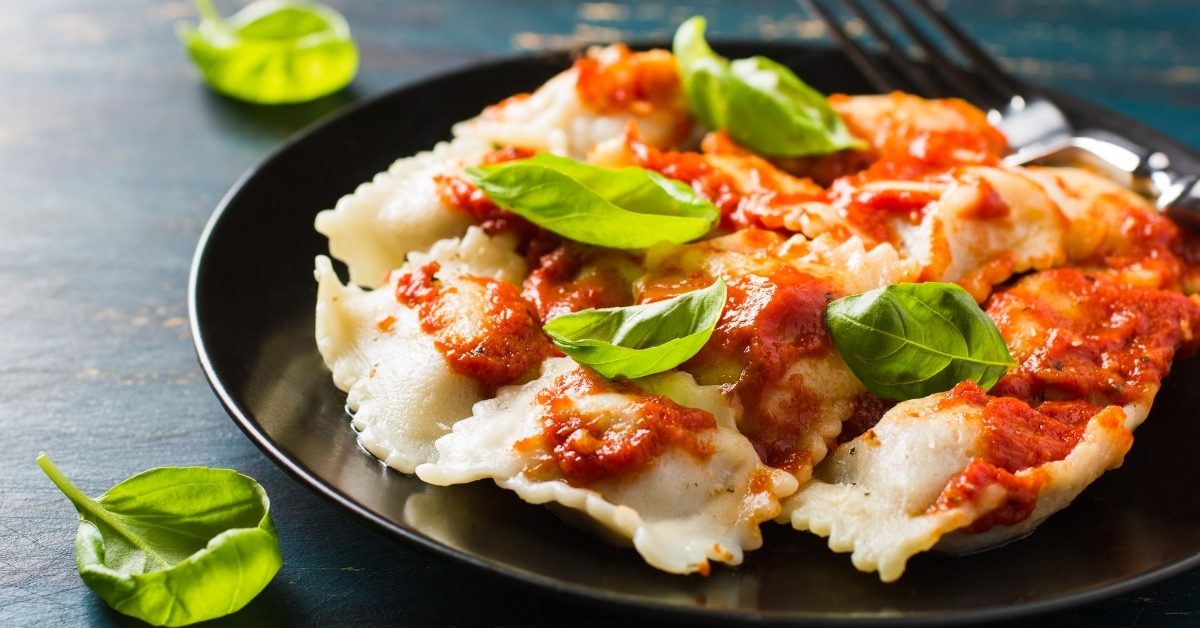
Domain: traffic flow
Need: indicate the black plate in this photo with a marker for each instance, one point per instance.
(252, 301)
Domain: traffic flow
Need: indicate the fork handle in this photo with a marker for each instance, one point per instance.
(1142, 170)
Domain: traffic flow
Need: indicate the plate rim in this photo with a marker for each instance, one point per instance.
(330, 494)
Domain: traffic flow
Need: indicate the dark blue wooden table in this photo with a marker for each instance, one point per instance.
(113, 155)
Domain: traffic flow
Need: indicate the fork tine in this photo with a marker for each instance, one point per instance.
(880, 77)
(896, 54)
(980, 59)
(962, 83)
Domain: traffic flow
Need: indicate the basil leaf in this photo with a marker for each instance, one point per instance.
(778, 114)
(703, 72)
(640, 340)
(272, 51)
(629, 208)
(911, 340)
(174, 545)
(762, 104)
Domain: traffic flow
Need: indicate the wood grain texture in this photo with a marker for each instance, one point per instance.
(113, 155)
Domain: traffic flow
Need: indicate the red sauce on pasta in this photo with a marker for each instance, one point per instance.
(506, 154)
(773, 194)
(769, 322)
(694, 169)
(872, 212)
(498, 343)
(627, 81)
(460, 193)
(589, 445)
(574, 277)
(931, 153)
(1094, 340)
(981, 481)
(1016, 437)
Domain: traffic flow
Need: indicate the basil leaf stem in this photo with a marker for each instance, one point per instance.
(174, 545)
(629, 208)
(911, 340)
(640, 340)
(272, 51)
(762, 104)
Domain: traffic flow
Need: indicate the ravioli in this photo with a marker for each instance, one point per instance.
(400, 389)
(963, 471)
(694, 496)
(591, 102)
(397, 212)
(770, 351)
(438, 339)
(934, 466)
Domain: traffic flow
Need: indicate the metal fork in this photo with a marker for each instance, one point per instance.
(1035, 127)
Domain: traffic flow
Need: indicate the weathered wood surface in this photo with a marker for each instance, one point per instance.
(113, 155)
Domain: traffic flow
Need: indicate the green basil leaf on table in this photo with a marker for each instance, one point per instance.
(762, 104)
(640, 340)
(628, 208)
(272, 51)
(911, 340)
(174, 545)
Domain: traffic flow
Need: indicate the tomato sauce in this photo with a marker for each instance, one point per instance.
(590, 445)
(710, 182)
(506, 154)
(768, 209)
(1144, 237)
(769, 322)
(1015, 437)
(991, 206)
(930, 154)
(774, 193)
(872, 212)
(460, 193)
(575, 277)
(973, 485)
(502, 343)
(1097, 340)
(825, 169)
(622, 80)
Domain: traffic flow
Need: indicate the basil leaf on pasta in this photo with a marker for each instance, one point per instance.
(629, 208)
(703, 71)
(911, 340)
(272, 51)
(762, 104)
(174, 545)
(640, 340)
